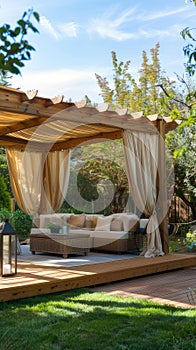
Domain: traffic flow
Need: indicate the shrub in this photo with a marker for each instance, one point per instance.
(190, 240)
(5, 215)
(5, 198)
(22, 223)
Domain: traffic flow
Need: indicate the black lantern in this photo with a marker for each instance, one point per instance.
(8, 250)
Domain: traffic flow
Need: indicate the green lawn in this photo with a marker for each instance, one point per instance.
(81, 320)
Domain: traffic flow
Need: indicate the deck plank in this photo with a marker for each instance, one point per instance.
(171, 288)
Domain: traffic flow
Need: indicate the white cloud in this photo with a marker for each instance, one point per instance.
(63, 30)
(110, 25)
(172, 31)
(46, 24)
(69, 29)
(125, 16)
(161, 14)
(107, 29)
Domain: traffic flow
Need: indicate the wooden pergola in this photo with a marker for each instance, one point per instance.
(21, 113)
(68, 124)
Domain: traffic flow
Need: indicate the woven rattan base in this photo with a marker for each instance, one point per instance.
(60, 244)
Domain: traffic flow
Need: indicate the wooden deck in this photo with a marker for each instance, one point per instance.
(34, 279)
(176, 288)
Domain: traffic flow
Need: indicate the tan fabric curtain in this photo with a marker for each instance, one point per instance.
(39, 182)
(55, 181)
(25, 177)
(141, 154)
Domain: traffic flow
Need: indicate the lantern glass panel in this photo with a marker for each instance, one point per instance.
(9, 249)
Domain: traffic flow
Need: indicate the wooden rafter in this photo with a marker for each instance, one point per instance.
(26, 124)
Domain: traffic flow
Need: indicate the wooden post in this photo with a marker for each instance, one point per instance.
(162, 201)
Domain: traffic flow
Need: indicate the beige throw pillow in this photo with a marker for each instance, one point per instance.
(117, 224)
(103, 224)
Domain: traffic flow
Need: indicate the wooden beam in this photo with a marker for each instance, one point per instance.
(89, 115)
(92, 139)
(12, 104)
(13, 140)
(58, 145)
(26, 124)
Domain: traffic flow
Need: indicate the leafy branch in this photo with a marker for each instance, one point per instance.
(190, 49)
(14, 48)
(173, 98)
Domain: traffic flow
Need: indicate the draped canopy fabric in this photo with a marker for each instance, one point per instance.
(141, 154)
(39, 181)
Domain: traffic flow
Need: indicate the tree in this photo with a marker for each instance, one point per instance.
(14, 48)
(190, 48)
(187, 104)
(182, 141)
(188, 115)
(183, 145)
(155, 93)
(146, 95)
(97, 171)
(97, 174)
(4, 78)
(123, 83)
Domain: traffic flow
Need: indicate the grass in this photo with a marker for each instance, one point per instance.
(82, 320)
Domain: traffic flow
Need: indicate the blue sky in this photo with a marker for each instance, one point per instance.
(76, 39)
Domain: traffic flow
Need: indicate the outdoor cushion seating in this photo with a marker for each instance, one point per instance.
(113, 233)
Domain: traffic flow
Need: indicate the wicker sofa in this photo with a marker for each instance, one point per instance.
(115, 233)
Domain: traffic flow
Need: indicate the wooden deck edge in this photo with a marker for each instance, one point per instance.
(102, 276)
